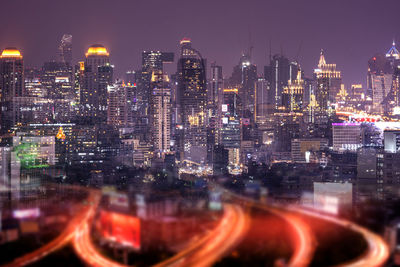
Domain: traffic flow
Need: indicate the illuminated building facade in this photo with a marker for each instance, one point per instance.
(11, 86)
(160, 112)
(329, 81)
(346, 136)
(121, 104)
(278, 74)
(244, 77)
(216, 84)
(292, 96)
(192, 101)
(98, 74)
(152, 61)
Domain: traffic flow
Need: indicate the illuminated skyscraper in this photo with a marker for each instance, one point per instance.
(121, 102)
(244, 77)
(152, 61)
(379, 80)
(192, 99)
(98, 74)
(65, 49)
(215, 90)
(292, 96)
(11, 86)
(160, 112)
(279, 72)
(329, 83)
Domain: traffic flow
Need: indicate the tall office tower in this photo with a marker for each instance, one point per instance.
(292, 96)
(11, 86)
(379, 80)
(278, 73)
(214, 100)
(33, 86)
(393, 98)
(214, 96)
(65, 49)
(152, 61)
(160, 109)
(121, 104)
(57, 80)
(97, 76)
(263, 106)
(244, 77)
(230, 136)
(192, 101)
(329, 83)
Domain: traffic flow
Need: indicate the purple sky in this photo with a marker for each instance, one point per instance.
(350, 31)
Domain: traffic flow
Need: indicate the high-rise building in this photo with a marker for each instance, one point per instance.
(65, 49)
(278, 74)
(292, 95)
(215, 89)
(152, 61)
(263, 105)
(98, 75)
(160, 106)
(192, 100)
(57, 80)
(329, 83)
(11, 86)
(121, 103)
(244, 77)
(379, 80)
(346, 136)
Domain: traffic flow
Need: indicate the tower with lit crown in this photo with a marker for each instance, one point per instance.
(97, 76)
(329, 81)
(11, 86)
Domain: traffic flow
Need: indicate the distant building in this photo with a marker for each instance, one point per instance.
(97, 76)
(121, 103)
(293, 94)
(160, 112)
(346, 136)
(303, 150)
(279, 72)
(192, 101)
(391, 141)
(65, 50)
(329, 81)
(12, 85)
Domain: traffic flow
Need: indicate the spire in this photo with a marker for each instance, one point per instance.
(393, 52)
(321, 59)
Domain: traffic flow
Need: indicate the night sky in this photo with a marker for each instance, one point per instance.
(350, 31)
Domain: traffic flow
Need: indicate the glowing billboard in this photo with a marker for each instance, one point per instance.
(120, 228)
(26, 213)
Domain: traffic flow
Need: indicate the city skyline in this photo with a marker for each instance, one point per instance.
(221, 36)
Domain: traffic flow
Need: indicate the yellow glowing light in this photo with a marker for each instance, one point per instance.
(97, 51)
(185, 41)
(234, 90)
(11, 52)
(60, 135)
(81, 65)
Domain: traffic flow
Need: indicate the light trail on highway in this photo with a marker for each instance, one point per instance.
(64, 238)
(378, 251)
(231, 229)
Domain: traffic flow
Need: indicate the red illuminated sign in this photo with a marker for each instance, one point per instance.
(121, 228)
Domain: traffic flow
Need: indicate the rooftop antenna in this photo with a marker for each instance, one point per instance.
(270, 50)
(298, 52)
(250, 51)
